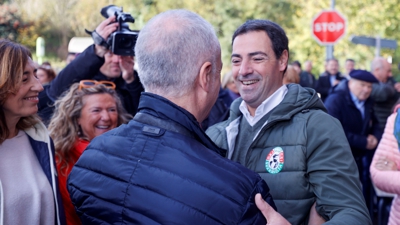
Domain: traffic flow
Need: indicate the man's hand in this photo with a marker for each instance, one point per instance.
(336, 82)
(397, 86)
(372, 142)
(104, 29)
(385, 164)
(314, 217)
(126, 64)
(269, 213)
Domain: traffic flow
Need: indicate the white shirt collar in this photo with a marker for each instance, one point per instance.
(266, 106)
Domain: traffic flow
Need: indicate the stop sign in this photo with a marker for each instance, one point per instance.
(328, 27)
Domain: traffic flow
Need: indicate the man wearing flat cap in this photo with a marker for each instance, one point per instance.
(351, 104)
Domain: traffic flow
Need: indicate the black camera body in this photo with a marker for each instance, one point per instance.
(123, 40)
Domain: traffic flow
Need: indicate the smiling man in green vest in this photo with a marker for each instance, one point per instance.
(283, 133)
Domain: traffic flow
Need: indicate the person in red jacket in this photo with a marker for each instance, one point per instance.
(88, 109)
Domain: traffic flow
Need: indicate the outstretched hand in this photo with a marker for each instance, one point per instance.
(272, 216)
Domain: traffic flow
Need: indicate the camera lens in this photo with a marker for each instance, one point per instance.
(125, 42)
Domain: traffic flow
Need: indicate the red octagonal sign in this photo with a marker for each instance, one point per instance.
(328, 27)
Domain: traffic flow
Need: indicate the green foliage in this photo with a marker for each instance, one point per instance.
(27, 36)
(12, 26)
(58, 21)
(9, 22)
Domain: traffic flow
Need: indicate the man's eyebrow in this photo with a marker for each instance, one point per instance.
(235, 55)
(257, 53)
(251, 54)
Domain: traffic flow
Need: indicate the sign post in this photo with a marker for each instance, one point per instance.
(40, 49)
(329, 48)
(328, 27)
(378, 42)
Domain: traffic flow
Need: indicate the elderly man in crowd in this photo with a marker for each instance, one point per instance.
(351, 104)
(386, 92)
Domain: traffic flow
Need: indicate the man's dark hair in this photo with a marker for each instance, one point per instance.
(279, 40)
(297, 63)
(350, 60)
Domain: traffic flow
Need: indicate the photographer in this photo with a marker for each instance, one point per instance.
(96, 63)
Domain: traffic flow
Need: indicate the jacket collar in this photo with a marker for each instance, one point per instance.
(38, 133)
(266, 106)
(119, 81)
(163, 108)
(296, 100)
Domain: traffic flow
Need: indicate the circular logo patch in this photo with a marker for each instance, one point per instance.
(275, 160)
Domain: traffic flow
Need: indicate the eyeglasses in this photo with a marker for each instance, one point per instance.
(91, 83)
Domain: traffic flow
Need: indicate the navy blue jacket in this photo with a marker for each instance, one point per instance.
(307, 79)
(43, 147)
(161, 168)
(323, 86)
(45, 160)
(86, 66)
(220, 110)
(340, 105)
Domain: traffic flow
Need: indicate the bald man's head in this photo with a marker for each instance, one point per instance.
(381, 69)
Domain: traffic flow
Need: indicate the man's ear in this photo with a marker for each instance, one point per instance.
(205, 76)
(283, 60)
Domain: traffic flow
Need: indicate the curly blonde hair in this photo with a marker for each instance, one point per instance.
(64, 128)
(13, 59)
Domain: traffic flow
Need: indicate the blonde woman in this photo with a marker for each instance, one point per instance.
(291, 75)
(29, 191)
(228, 84)
(87, 110)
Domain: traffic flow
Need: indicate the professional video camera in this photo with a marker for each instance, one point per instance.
(123, 40)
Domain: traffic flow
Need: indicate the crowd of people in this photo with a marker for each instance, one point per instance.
(269, 143)
(362, 101)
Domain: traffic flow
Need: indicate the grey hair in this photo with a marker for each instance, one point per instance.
(376, 63)
(171, 49)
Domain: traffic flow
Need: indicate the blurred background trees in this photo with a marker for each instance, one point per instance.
(59, 20)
